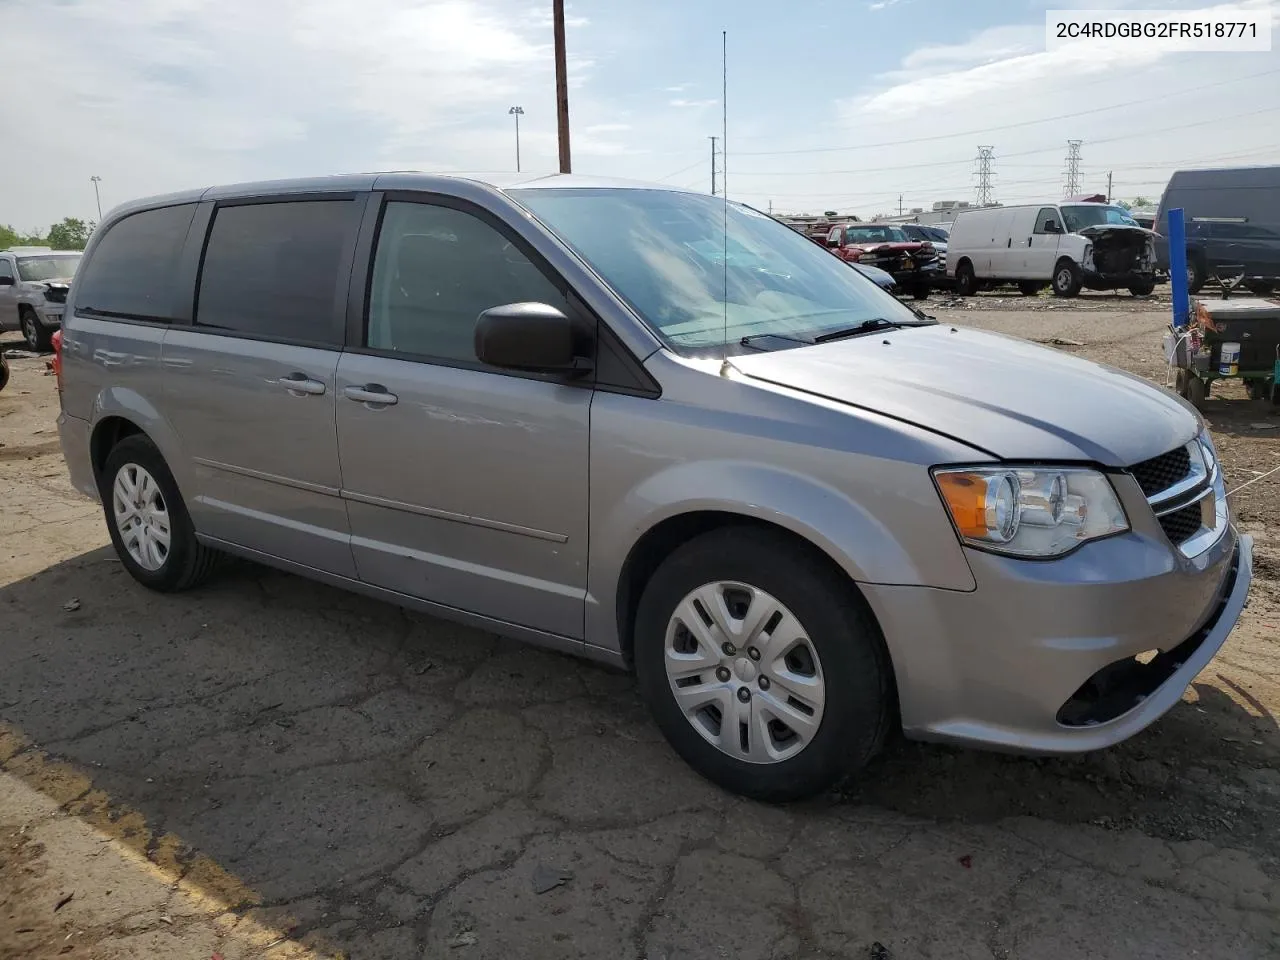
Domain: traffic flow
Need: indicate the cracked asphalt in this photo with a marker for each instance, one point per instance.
(268, 767)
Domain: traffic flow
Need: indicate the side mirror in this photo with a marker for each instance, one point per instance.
(533, 337)
(834, 243)
(6, 281)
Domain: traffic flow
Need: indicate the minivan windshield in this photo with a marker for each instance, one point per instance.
(61, 267)
(664, 253)
(1079, 216)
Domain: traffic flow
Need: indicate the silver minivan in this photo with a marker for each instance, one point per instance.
(662, 431)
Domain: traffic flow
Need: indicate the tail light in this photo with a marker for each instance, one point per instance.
(57, 359)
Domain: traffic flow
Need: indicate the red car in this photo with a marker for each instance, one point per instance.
(913, 264)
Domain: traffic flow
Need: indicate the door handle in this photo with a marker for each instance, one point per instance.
(300, 385)
(374, 394)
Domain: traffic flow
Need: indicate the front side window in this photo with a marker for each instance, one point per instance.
(48, 268)
(1043, 218)
(134, 266)
(435, 271)
(657, 250)
(272, 270)
(1079, 216)
(5, 269)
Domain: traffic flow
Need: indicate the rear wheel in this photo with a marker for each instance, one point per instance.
(966, 280)
(1066, 279)
(762, 665)
(148, 521)
(1143, 288)
(920, 292)
(33, 331)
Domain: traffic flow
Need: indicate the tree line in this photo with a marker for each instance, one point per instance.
(70, 233)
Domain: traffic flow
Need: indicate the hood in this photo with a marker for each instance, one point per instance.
(910, 246)
(1105, 231)
(1006, 397)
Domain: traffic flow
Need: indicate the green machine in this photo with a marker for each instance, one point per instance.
(1228, 339)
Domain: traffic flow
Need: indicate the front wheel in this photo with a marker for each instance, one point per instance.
(1066, 279)
(148, 521)
(33, 331)
(1143, 288)
(920, 292)
(1028, 288)
(763, 667)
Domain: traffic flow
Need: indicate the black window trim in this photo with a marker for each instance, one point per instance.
(360, 291)
(201, 242)
(143, 319)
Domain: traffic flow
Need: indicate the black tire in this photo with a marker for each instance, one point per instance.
(1261, 287)
(859, 703)
(1066, 279)
(38, 336)
(1029, 288)
(4, 373)
(1196, 273)
(966, 280)
(187, 562)
(921, 292)
(1143, 289)
(1195, 390)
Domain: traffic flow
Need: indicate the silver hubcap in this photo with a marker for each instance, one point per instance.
(1064, 279)
(744, 673)
(141, 516)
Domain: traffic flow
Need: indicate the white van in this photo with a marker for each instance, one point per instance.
(1066, 246)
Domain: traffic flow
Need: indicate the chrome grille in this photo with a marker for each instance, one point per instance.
(1185, 491)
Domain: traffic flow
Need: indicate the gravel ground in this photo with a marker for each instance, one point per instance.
(272, 768)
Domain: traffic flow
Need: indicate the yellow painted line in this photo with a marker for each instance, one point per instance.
(204, 888)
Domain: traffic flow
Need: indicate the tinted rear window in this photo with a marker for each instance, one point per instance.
(272, 269)
(133, 267)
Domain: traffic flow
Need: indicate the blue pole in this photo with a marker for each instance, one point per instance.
(1178, 268)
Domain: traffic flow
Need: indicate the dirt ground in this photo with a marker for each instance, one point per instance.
(267, 767)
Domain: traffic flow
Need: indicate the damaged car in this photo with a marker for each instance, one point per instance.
(913, 264)
(1068, 247)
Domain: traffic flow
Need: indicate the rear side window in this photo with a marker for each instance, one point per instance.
(133, 267)
(272, 270)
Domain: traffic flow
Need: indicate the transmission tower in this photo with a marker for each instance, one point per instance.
(1072, 185)
(985, 175)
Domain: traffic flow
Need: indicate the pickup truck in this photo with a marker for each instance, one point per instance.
(913, 264)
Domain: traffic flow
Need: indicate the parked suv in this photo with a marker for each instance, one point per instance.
(33, 291)
(803, 513)
(913, 264)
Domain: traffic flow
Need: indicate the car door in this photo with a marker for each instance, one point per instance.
(8, 295)
(466, 486)
(1042, 244)
(250, 386)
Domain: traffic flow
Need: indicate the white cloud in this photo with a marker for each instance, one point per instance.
(684, 104)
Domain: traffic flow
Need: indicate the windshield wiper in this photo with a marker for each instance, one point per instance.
(753, 339)
(866, 326)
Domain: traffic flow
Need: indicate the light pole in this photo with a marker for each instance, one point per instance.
(97, 196)
(562, 85)
(517, 112)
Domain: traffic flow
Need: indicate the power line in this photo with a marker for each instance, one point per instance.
(1072, 185)
(1164, 98)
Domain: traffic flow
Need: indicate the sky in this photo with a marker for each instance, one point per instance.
(848, 105)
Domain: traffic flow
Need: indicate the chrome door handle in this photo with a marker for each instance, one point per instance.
(371, 393)
(300, 385)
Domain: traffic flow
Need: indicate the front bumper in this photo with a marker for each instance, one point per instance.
(50, 315)
(1003, 666)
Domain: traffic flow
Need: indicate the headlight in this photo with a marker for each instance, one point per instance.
(1037, 512)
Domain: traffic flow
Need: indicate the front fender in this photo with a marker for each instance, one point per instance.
(850, 534)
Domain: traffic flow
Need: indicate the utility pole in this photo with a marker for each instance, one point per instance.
(517, 112)
(899, 204)
(1072, 185)
(713, 164)
(97, 196)
(562, 86)
(1108, 186)
(985, 156)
